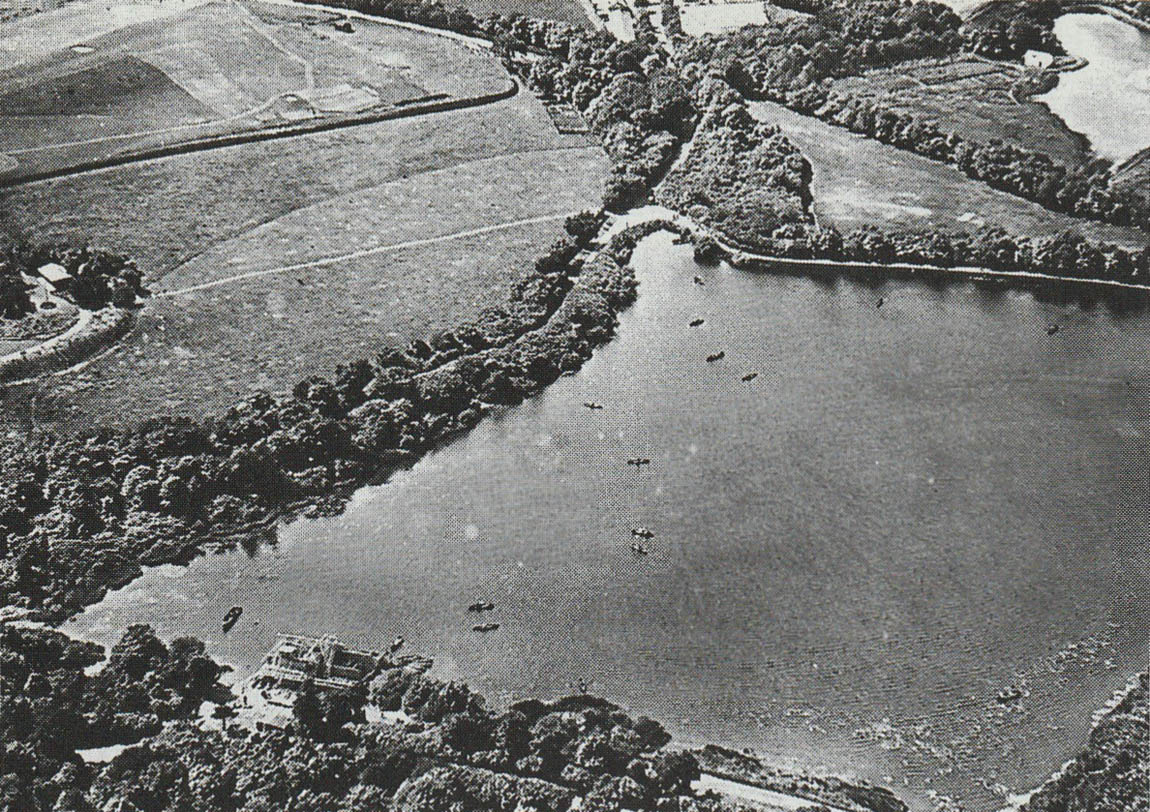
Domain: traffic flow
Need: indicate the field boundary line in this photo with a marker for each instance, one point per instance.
(237, 139)
(367, 252)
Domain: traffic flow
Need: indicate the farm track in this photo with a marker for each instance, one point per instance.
(319, 263)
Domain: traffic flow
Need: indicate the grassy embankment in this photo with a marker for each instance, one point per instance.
(858, 181)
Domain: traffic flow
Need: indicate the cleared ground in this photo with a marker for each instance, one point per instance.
(858, 181)
(219, 68)
(976, 98)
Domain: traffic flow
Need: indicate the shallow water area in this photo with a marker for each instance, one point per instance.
(910, 508)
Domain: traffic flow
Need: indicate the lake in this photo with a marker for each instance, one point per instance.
(911, 507)
(1109, 100)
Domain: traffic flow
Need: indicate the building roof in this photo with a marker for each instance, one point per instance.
(54, 272)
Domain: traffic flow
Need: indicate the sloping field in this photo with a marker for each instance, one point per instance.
(203, 218)
(858, 181)
(975, 98)
(166, 211)
(202, 350)
(220, 68)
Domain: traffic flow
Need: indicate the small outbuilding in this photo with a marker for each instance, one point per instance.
(55, 275)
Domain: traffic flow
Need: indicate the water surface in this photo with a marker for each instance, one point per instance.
(1108, 100)
(908, 509)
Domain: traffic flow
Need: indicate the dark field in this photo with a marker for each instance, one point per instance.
(975, 98)
(568, 11)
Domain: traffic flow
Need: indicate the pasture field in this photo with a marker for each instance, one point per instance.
(219, 68)
(166, 211)
(975, 98)
(199, 353)
(858, 181)
(206, 217)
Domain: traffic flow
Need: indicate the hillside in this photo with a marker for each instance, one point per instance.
(1133, 175)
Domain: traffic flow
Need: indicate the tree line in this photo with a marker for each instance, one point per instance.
(454, 753)
(80, 514)
(795, 64)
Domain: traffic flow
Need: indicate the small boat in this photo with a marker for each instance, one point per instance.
(482, 606)
(592, 405)
(638, 462)
(232, 617)
(1052, 329)
(720, 355)
(697, 323)
(750, 376)
(396, 644)
(485, 627)
(1008, 695)
(642, 532)
(639, 549)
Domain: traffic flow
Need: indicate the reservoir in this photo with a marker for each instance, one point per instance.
(911, 508)
(1109, 100)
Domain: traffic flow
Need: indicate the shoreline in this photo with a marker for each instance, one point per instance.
(745, 259)
(410, 404)
(1019, 802)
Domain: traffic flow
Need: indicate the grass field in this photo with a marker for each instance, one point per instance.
(196, 218)
(217, 68)
(858, 181)
(974, 99)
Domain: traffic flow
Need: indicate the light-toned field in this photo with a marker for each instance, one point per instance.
(221, 67)
(973, 98)
(858, 181)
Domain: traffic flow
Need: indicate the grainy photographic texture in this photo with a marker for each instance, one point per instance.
(558, 405)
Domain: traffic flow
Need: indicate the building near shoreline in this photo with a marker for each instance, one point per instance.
(327, 663)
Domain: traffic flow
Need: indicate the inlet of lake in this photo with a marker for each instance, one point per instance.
(911, 508)
(1108, 100)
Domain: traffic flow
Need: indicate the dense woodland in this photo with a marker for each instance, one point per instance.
(741, 176)
(454, 754)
